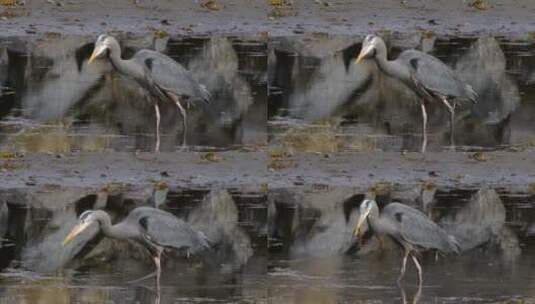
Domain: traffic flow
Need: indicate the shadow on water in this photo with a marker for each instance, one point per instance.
(355, 107)
(52, 100)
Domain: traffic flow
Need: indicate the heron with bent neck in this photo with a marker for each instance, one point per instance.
(425, 75)
(409, 228)
(162, 78)
(155, 230)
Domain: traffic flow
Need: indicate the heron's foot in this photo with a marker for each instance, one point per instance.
(150, 275)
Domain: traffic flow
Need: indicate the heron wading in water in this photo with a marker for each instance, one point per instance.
(409, 228)
(162, 78)
(154, 229)
(424, 74)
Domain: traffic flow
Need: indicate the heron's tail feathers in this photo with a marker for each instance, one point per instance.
(455, 247)
(471, 94)
(206, 243)
(205, 94)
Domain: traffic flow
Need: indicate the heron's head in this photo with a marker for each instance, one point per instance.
(370, 46)
(85, 220)
(103, 45)
(366, 207)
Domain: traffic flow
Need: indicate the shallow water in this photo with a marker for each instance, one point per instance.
(95, 109)
(288, 264)
(479, 278)
(355, 108)
(283, 93)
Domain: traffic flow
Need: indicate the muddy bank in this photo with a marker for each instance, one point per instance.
(180, 169)
(512, 170)
(497, 17)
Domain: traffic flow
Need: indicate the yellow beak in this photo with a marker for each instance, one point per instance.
(362, 218)
(75, 231)
(359, 58)
(99, 49)
(93, 56)
(363, 52)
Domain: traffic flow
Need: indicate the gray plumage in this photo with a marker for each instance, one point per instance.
(171, 76)
(163, 79)
(166, 230)
(416, 229)
(428, 77)
(153, 229)
(412, 230)
(435, 76)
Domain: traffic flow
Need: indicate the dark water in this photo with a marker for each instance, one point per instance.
(300, 87)
(52, 100)
(354, 108)
(301, 254)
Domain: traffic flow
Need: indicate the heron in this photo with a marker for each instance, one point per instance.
(162, 78)
(428, 77)
(154, 229)
(412, 230)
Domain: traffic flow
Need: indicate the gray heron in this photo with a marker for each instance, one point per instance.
(409, 228)
(154, 229)
(162, 78)
(428, 77)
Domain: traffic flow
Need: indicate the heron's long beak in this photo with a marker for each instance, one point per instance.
(96, 52)
(75, 231)
(362, 218)
(363, 52)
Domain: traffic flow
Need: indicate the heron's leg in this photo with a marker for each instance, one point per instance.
(157, 111)
(451, 109)
(417, 295)
(403, 265)
(424, 127)
(403, 294)
(157, 263)
(184, 119)
(419, 268)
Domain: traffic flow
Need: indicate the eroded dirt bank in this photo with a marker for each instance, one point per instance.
(513, 170)
(497, 17)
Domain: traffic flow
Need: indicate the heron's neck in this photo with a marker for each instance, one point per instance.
(392, 68)
(374, 220)
(124, 67)
(118, 231)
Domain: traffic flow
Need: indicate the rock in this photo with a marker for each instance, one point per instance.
(481, 222)
(217, 218)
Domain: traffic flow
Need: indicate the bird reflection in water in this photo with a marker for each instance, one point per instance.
(415, 298)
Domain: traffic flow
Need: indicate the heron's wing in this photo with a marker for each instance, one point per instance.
(171, 75)
(435, 76)
(166, 230)
(417, 229)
